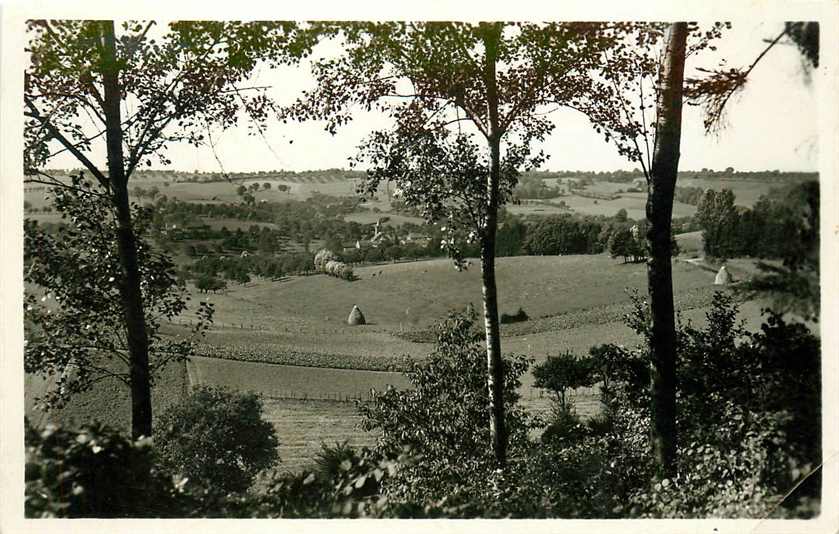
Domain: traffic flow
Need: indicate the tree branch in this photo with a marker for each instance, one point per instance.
(34, 113)
(55, 182)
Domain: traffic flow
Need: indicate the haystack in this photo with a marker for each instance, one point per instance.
(356, 317)
(723, 277)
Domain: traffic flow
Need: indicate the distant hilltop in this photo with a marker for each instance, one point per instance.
(332, 175)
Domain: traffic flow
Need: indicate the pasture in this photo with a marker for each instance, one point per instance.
(574, 302)
(414, 295)
(633, 203)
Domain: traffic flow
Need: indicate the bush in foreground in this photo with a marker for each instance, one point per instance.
(217, 439)
(95, 472)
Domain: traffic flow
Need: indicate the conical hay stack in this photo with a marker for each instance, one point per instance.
(723, 277)
(356, 317)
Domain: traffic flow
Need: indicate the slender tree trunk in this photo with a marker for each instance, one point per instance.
(661, 187)
(495, 363)
(132, 302)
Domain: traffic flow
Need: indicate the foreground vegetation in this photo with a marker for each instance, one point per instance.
(764, 439)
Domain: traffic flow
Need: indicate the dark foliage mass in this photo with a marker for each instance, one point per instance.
(95, 472)
(217, 439)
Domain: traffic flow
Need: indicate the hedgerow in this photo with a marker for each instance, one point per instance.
(263, 353)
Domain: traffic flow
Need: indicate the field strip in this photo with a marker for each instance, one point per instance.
(275, 354)
(602, 315)
(295, 382)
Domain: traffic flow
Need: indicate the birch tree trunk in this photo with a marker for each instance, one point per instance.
(495, 363)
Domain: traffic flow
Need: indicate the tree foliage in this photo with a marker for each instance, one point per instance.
(87, 89)
(217, 439)
(442, 416)
(467, 103)
(94, 472)
(178, 82)
(74, 297)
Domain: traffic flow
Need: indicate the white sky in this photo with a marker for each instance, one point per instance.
(772, 124)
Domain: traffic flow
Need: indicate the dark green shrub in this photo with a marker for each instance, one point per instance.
(562, 373)
(217, 439)
(94, 472)
(443, 419)
(517, 317)
(748, 418)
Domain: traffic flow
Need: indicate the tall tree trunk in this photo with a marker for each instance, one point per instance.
(661, 187)
(132, 302)
(495, 363)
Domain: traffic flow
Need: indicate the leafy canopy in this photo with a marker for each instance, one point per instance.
(175, 84)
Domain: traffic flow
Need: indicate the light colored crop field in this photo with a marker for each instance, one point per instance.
(303, 425)
(286, 381)
(633, 203)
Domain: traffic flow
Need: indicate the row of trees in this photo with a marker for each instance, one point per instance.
(765, 230)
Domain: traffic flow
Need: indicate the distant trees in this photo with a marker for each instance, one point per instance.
(563, 234)
(205, 283)
(625, 244)
(511, 237)
(532, 186)
(689, 195)
(782, 224)
(717, 215)
(794, 285)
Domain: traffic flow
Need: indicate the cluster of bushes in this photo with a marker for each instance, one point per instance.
(393, 251)
(688, 195)
(573, 234)
(534, 187)
(327, 262)
(205, 451)
(563, 234)
(211, 272)
(629, 241)
(316, 217)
